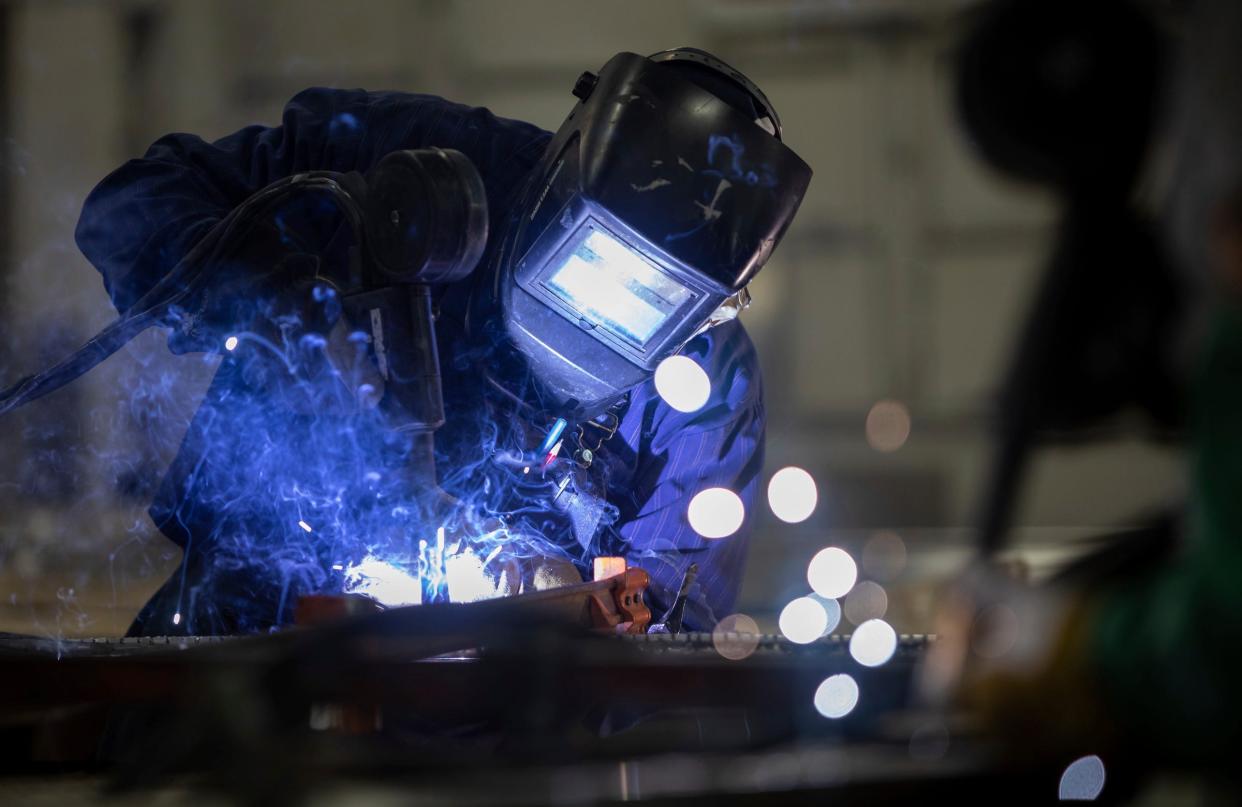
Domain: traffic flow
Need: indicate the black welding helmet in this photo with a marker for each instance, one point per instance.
(658, 199)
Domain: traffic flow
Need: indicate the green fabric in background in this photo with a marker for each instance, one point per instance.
(1168, 648)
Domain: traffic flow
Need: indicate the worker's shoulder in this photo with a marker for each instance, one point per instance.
(734, 406)
(729, 358)
(354, 107)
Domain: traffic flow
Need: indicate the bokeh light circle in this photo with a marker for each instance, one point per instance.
(792, 494)
(888, 425)
(866, 601)
(230, 344)
(682, 383)
(832, 608)
(735, 637)
(836, 696)
(832, 572)
(716, 513)
(803, 620)
(1082, 780)
(873, 643)
(884, 556)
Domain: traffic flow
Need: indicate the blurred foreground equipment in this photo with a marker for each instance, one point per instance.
(508, 701)
(1064, 94)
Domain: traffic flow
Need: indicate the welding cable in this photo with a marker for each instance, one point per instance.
(186, 279)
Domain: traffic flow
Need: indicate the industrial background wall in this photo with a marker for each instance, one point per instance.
(883, 321)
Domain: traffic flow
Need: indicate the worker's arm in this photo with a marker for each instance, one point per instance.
(680, 454)
(145, 216)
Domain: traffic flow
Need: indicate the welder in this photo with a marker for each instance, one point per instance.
(628, 236)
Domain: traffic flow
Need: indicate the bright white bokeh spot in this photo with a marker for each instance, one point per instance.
(868, 600)
(383, 582)
(832, 572)
(833, 610)
(803, 620)
(716, 513)
(305, 526)
(177, 618)
(682, 383)
(888, 425)
(735, 637)
(792, 495)
(230, 343)
(1083, 780)
(873, 643)
(836, 696)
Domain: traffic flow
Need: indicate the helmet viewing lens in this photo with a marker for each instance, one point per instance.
(611, 286)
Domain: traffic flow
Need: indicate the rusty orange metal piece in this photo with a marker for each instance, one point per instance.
(621, 607)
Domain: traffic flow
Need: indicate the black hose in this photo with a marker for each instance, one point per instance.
(186, 279)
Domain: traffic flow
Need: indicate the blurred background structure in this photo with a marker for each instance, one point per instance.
(883, 322)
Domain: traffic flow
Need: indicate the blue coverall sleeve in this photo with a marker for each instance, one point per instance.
(721, 445)
(145, 216)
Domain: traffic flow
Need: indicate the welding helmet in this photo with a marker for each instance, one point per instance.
(656, 202)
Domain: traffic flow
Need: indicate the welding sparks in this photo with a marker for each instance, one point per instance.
(832, 572)
(836, 696)
(716, 513)
(888, 425)
(792, 495)
(682, 383)
(884, 555)
(305, 526)
(873, 643)
(736, 636)
(868, 600)
(803, 620)
(832, 609)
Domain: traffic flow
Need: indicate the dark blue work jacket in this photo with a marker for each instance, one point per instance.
(257, 532)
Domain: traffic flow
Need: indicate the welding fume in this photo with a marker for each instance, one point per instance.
(460, 357)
